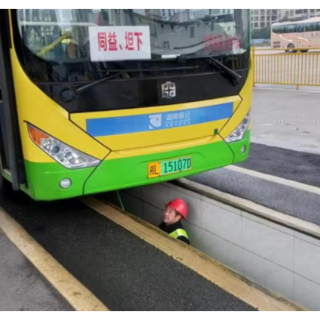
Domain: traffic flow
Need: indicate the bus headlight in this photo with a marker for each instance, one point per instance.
(62, 153)
(240, 131)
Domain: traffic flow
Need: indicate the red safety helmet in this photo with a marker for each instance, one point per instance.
(180, 206)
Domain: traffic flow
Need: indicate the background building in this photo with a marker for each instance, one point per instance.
(264, 18)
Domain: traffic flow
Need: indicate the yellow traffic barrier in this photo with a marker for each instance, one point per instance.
(279, 66)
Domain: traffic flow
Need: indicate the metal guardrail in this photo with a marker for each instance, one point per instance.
(278, 66)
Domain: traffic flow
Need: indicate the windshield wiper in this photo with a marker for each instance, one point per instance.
(235, 76)
(118, 72)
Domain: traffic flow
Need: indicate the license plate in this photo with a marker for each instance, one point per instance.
(162, 168)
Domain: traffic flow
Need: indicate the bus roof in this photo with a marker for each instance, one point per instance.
(297, 22)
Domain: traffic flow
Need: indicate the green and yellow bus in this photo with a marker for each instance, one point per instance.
(100, 100)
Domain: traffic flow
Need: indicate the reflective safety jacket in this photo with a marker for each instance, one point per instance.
(175, 231)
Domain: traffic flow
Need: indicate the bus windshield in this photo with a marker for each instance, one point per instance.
(126, 55)
(132, 34)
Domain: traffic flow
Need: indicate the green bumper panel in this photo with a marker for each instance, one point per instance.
(44, 178)
(236, 148)
(130, 172)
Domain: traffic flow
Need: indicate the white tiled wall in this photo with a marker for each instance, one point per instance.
(151, 214)
(221, 222)
(222, 250)
(268, 243)
(307, 260)
(134, 204)
(156, 194)
(275, 257)
(268, 274)
(306, 292)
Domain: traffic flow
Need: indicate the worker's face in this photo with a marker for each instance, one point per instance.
(72, 50)
(169, 216)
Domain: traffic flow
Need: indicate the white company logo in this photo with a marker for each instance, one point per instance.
(155, 121)
(168, 90)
